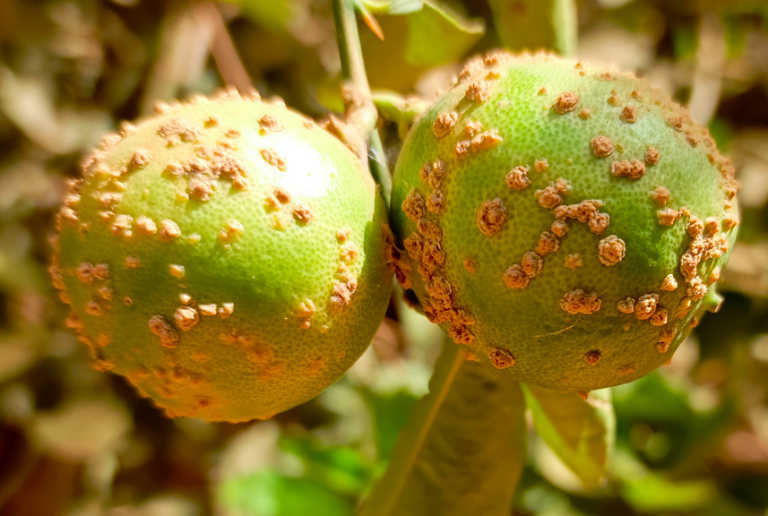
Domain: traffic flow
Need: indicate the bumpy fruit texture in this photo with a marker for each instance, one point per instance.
(565, 223)
(226, 256)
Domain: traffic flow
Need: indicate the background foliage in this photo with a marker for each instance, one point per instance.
(692, 439)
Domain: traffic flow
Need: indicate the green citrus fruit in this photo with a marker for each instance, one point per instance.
(567, 223)
(226, 256)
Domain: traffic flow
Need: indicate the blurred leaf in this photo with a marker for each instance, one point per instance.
(432, 36)
(341, 469)
(390, 413)
(537, 24)
(28, 103)
(581, 433)
(394, 7)
(464, 448)
(648, 491)
(268, 493)
(16, 355)
(273, 15)
(82, 429)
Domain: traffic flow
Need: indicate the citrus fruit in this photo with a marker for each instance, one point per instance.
(566, 223)
(226, 256)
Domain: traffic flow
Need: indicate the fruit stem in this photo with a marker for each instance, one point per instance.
(398, 109)
(360, 112)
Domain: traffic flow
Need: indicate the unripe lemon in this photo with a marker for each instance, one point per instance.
(226, 256)
(566, 223)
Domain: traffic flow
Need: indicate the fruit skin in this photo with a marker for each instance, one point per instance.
(266, 285)
(494, 256)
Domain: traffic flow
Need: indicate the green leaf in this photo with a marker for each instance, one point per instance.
(537, 24)
(581, 433)
(464, 448)
(429, 37)
(268, 493)
(390, 413)
(405, 6)
(341, 469)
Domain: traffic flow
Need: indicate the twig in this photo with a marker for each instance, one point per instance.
(360, 113)
(223, 48)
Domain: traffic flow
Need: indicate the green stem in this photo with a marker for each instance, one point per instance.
(398, 109)
(360, 112)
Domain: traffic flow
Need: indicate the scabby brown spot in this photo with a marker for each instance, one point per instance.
(541, 165)
(169, 231)
(629, 115)
(470, 265)
(559, 228)
(532, 263)
(517, 178)
(549, 197)
(667, 216)
(274, 159)
(598, 222)
(146, 226)
(122, 226)
(472, 128)
(665, 339)
(94, 308)
(169, 337)
(566, 102)
(626, 305)
(730, 221)
(515, 277)
(207, 310)
(478, 92)
(602, 146)
(593, 357)
(415, 246)
(413, 206)
(611, 250)
(645, 306)
(711, 226)
(485, 141)
(696, 289)
(177, 271)
(695, 226)
(548, 243)
(303, 214)
(584, 114)
(348, 252)
(132, 262)
(661, 195)
(436, 202)
(429, 229)
(580, 302)
(500, 358)
(444, 123)
(141, 158)
(433, 173)
(186, 317)
(231, 231)
(652, 156)
(226, 309)
(633, 170)
(84, 272)
(714, 276)
(462, 149)
(573, 260)
(627, 370)
(343, 234)
(659, 317)
(491, 217)
(669, 284)
(269, 124)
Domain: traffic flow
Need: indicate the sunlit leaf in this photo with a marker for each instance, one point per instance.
(268, 493)
(537, 24)
(581, 433)
(429, 37)
(463, 450)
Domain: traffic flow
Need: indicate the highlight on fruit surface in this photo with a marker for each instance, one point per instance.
(566, 223)
(226, 256)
